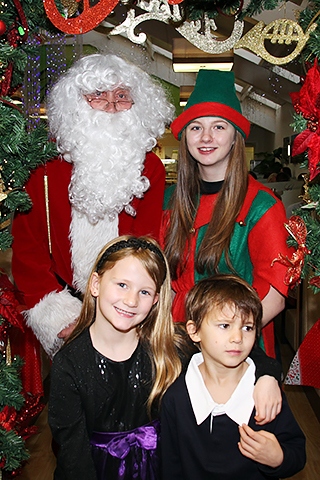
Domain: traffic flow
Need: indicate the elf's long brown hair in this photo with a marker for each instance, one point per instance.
(184, 204)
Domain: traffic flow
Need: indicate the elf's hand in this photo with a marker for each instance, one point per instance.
(262, 447)
(267, 399)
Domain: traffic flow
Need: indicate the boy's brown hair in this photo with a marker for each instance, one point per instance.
(220, 290)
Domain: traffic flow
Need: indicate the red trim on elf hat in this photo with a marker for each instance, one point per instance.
(210, 109)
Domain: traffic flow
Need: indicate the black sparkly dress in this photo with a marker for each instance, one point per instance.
(97, 414)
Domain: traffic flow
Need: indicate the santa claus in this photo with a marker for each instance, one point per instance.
(105, 116)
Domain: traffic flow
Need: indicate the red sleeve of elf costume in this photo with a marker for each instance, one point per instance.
(149, 207)
(33, 267)
(266, 240)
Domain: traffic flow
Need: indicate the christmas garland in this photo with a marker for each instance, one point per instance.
(20, 150)
(307, 143)
(17, 408)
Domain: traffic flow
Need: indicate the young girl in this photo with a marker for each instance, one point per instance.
(208, 430)
(108, 380)
(218, 219)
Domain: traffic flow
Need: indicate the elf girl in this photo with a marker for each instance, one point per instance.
(217, 218)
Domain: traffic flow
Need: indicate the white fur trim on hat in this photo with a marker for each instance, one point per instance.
(51, 315)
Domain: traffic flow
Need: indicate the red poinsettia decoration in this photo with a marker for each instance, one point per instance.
(307, 103)
(298, 230)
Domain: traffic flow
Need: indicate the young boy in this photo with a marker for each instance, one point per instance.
(208, 430)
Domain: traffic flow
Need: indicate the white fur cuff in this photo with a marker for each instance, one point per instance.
(51, 315)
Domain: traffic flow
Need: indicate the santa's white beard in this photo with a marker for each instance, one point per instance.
(108, 153)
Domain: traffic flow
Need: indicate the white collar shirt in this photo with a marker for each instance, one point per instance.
(239, 406)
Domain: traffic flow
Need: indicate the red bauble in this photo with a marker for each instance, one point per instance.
(3, 28)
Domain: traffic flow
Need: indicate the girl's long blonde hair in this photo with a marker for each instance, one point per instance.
(157, 330)
(184, 205)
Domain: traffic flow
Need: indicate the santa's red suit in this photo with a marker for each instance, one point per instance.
(44, 277)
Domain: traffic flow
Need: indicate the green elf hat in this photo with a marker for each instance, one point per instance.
(214, 95)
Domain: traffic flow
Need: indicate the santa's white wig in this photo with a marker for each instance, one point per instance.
(66, 103)
(107, 149)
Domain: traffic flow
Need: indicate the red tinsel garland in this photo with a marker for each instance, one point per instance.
(88, 19)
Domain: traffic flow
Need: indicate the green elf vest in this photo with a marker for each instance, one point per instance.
(256, 204)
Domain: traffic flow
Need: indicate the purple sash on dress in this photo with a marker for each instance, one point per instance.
(136, 451)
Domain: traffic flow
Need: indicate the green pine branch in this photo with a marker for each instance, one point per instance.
(307, 16)
(195, 9)
(10, 383)
(257, 6)
(310, 214)
(299, 123)
(12, 450)
(20, 152)
(34, 12)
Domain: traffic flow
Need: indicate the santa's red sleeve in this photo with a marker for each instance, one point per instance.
(35, 270)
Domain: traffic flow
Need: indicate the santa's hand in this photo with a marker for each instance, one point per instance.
(66, 332)
(262, 447)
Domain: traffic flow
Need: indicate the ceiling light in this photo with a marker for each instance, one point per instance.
(188, 58)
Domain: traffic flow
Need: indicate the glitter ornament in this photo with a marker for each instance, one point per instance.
(199, 32)
(3, 27)
(88, 19)
(281, 31)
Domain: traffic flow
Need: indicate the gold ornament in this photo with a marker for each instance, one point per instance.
(8, 353)
(306, 195)
(281, 31)
(5, 224)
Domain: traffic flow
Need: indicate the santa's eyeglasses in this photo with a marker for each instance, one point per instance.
(119, 100)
